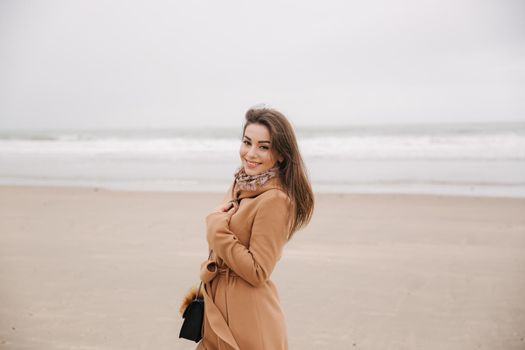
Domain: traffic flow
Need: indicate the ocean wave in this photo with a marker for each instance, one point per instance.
(488, 147)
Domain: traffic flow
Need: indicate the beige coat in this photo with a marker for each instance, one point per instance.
(242, 307)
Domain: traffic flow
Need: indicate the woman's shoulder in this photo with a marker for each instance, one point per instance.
(274, 205)
(273, 197)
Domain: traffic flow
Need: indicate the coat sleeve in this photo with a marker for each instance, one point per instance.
(269, 235)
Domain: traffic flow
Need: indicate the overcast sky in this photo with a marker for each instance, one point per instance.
(134, 64)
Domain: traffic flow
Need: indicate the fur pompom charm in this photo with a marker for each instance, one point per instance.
(190, 295)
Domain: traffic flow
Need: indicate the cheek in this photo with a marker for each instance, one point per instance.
(267, 158)
(242, 150)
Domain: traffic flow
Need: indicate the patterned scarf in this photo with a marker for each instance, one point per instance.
(251, 182)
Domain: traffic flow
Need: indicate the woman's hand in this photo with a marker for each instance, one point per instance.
(228, 208)
(225, 207)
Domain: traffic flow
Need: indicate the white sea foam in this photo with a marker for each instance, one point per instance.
(366, 147)
(481, 159)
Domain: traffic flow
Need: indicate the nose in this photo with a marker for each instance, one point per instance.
(251, 153)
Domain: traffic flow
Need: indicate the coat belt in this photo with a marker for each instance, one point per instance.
(217, 321)
(209, 270)
(225, 270)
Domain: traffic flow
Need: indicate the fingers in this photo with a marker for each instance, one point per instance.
(225, 207)
(233, 209)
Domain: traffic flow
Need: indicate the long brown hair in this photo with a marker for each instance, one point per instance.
(292, 171)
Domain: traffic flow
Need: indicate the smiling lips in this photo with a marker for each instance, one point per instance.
(251, 164)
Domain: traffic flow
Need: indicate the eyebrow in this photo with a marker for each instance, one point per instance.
(259, 141)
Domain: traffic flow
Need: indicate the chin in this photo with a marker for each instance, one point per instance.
(250, 171)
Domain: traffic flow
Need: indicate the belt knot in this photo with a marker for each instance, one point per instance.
(225, 270)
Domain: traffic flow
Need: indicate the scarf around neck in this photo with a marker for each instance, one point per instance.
(244, 181)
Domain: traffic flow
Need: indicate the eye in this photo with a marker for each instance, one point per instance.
(246, 142)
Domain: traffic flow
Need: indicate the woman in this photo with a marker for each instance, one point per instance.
(270, 198)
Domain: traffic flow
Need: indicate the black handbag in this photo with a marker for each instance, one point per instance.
(193, 316)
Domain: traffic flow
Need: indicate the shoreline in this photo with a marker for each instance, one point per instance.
(206, 192)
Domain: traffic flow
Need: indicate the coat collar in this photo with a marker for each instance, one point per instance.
(274, 182)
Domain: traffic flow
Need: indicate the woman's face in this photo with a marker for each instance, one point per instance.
(257, 154)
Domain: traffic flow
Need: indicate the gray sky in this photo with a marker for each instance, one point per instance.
(198, 63)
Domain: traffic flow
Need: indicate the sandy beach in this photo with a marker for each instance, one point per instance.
(89, 268)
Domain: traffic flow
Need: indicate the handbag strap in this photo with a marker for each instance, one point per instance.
(200, 284)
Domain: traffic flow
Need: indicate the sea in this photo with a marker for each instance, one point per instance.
(475, 159)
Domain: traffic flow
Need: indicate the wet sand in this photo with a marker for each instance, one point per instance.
(87, 268)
